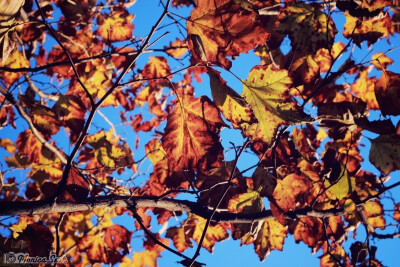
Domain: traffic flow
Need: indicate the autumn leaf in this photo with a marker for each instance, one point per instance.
(374, 213)
(117, 238)
(71, 111)
(384, 153)
(246, 203)
(364, 88)
(191, 138)
(344, 186)
(14, 60)
(308, 27)
(116, 27)
(215, 233)
(231, 104)
(45, 120)
(76, 188)
(179, 238)
(381, 61)
(369, 30)
(154, 151)
(177, 49)
(387, 93)
(8, 145)
(271, 236)
(264, 182)
(292, 189)
(145, 259)
(219, 28)
(309, 230)
(266, 91)
(157, 67)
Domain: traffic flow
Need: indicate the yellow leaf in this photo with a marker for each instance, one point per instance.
(117, 27)
(145, 259)
(246, 203)
(381, 61)
(21, 225)
(271, 236)
(364, 88)
(8, 145)
(180, 239)
(154, 151)
(343, 186)
(266, 91)
(374, 213)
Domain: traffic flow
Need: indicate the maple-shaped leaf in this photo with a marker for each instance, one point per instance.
(117, 238)
(77, 188)
(45, 120)
(246, 203)
(116, 26)
(220, 28)
(157, 67)
(94, 247)
(29, 145)
(292, 189)
(381, 61)
(343, 186)
(154, 151)
(47, 166)
(39, 239)
(263, 182)
(364, 88)
(191, 137)
(179, 238)
(374, 213)
(309, 230)
(215, 233)
(367, 30)
(384, 153)
(176, 49)
(231, 104)
(14, 60)
(147, 258)
(388, 94)
(308, 27)
(71, 111)
(266, 90)
(271, 236)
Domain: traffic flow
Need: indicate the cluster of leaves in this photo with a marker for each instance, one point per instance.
(309, 164)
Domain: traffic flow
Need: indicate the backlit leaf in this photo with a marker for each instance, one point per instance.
(291, 189)
(116, 27)
(381, 61)
(14, 60)
(191, 138)
(374, 213)
(364, 88)
(145, 258)
(367, 30)
(308, 27)
(344, 186)
(154, 151)
(271, 236)
(219, 28)
(246, 202)
(388, 94)
(156, 67)
(384, 153)
(266, 91)
(8, 145)
(309, 230)
(179, 238)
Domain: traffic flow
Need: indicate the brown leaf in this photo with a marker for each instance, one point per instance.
(388, 94)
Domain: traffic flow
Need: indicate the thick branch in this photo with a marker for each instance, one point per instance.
(41, 207)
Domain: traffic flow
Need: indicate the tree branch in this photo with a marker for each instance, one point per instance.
(42, 207)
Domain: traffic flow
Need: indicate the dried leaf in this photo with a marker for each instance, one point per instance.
(384, 153)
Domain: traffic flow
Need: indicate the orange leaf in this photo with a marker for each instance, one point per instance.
(215, 233)
(271, 236)
(388, 94)
(14, 60)
(45, 120)
(77, 188)
(246, 203)
(176, 49)
(156, 67)
(367, 30)
(145, 258)
(381, 61)
(116, 27)
(293, 188)
(309, 230)
(396, 214)
(191, 138)
(180, 239)
(364, 88)
(117, 238)
(219, 28)
(374, 213)
(94, 247)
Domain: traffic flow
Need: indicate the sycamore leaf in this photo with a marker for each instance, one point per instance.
(381, 61)
(145, 258)
(191, 138)
(246, 203)
(367, 30)
(116, 27)
(364, 88)
(232, 105)
(266, 91)
(156, 67)
(388, 94)
(154, 151)
(71, 112)
(220, 28)
(291, 189)
(215, 233)
(271, 236)
(384, 153)
(309, 230)
(263, 182)
(308, 27)
(179, 238)
(374, 213)
(344, 186)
